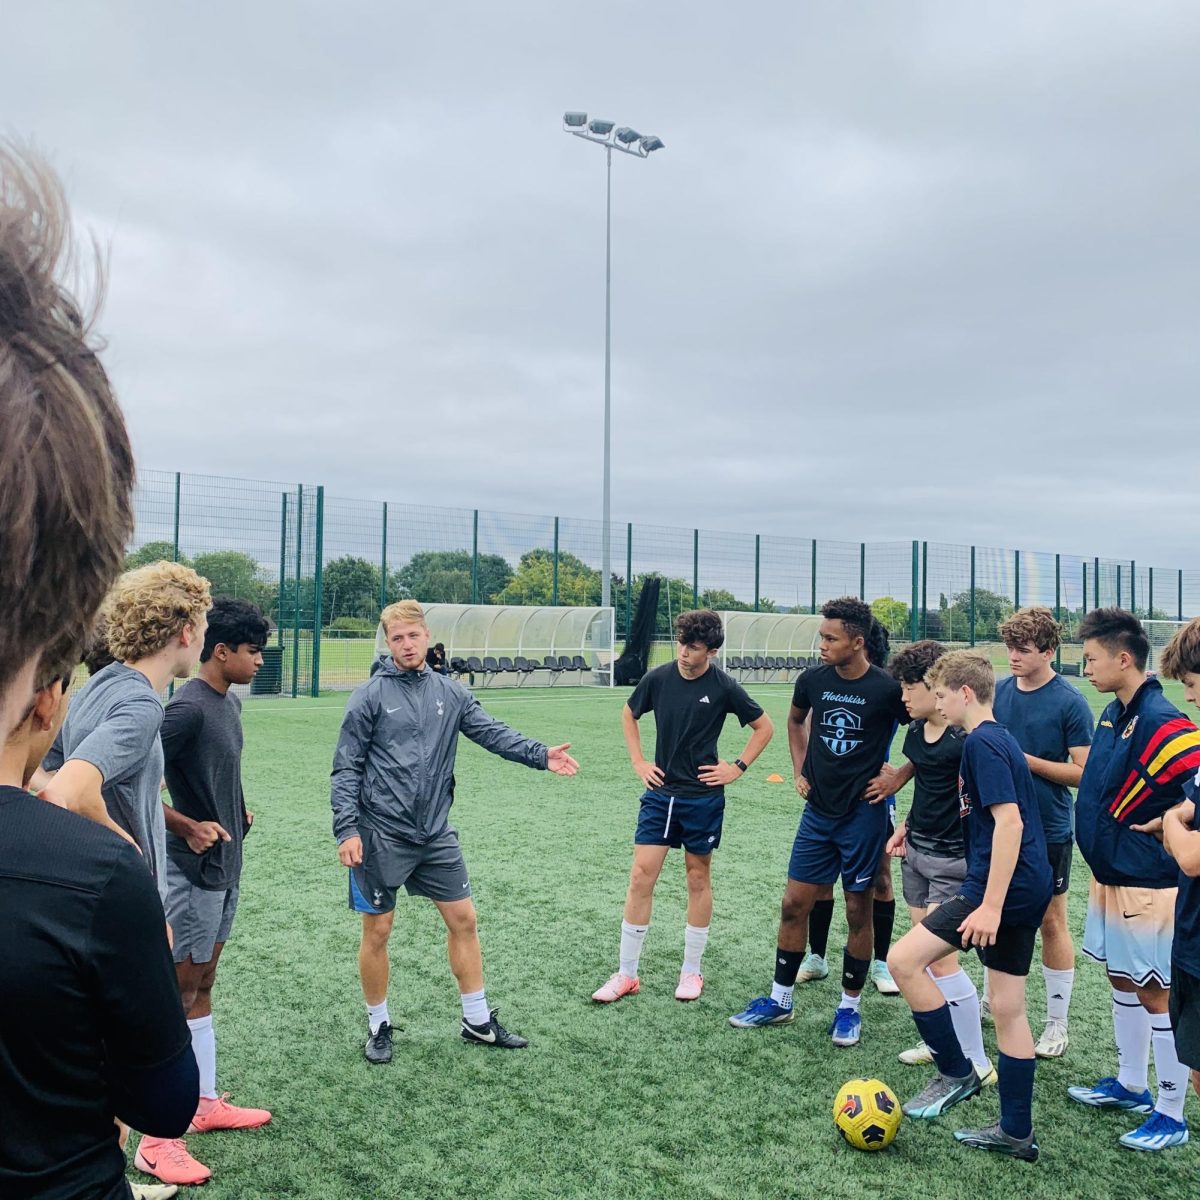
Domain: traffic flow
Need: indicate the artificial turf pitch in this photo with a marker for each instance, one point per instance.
(645, 1098)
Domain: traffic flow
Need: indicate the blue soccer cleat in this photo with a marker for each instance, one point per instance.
(1108, 1093)
(1157, 1133)
(846, 1027)
(762, 1010)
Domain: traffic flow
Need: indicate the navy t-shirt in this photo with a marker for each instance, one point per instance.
(1047, 722)
(1185, 949)
(994, 771)
(689, 715)
(853, 721)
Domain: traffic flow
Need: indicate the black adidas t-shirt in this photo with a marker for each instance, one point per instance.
(689, 715)
(933, 823)
(853, 721)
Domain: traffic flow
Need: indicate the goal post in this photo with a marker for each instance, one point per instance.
(503, 645)
(1160, 633)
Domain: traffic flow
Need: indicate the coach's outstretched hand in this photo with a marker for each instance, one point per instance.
(559, 761)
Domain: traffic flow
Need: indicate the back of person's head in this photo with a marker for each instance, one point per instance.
(66, 466)
(1181, 655)
(878, 644)
(96, 654)
(148, 608)
(1117, 630)
(912, 664)
(234, 623)
(855, 616)
(1034, 627)
(701, 627)
(963, 668)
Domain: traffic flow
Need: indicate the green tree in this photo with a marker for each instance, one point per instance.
(991, 610)
(533, 581)
(444, 577)
(152, 552)
(351, 588)
(234, 573)
(892, 614)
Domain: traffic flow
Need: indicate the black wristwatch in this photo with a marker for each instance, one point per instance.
(741, 766)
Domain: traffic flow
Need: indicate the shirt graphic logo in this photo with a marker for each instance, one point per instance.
(964, 800)
(439, 704)
(1127, 732)
(840, 730)
(703, 699)
(377, 898)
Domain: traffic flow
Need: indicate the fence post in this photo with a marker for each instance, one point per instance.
(1133, 585)
(1084, 566)
(695, 568)
(971, 601)
(296, 607)
(282, 572)
(383, 563)
(1058, 606)
(914, 628)
(554, 596)
(318, 589)
(1096, 582)
(924, 589)
(175, 539)
(1180, 617)
(1150, 597)
(862, 571)
(475, 557)
(757, 568)
(628, 579)
(813, 608)
(1118, 585)
(1016, 579)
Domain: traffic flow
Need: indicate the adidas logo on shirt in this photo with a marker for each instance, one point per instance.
(703, 699)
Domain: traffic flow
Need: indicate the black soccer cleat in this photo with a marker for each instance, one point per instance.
(379, 1045)
(994, 1138)
(492, 1033)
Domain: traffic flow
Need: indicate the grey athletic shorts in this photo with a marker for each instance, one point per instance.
(928, 879)
(435, 869)
(199, 919)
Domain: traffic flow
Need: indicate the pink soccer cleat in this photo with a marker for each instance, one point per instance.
(691, 984)
(615, 987)
(220, 1114)
(168, 1159)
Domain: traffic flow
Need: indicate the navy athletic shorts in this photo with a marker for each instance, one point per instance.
(693, 822)
(850, 846)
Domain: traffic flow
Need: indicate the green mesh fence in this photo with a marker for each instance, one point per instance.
(321, 568)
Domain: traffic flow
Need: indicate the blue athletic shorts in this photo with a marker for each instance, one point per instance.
(850, 846)
(693, 822)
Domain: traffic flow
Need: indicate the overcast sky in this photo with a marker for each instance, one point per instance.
(903, 269)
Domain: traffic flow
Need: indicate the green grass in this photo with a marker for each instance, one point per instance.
(647, 1098)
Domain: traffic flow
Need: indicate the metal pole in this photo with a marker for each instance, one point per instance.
(1096, 582)
(296, 608)
(1016, 579)
(475, 557)
(1180, 617)
(695, 568)
(1118, 585)
(282, 572)
(862, 571)
(175, 539)
(318, 587)
(383, 564)
(971, 601)
(914, 628)
(813, 580)
(1133, 585)
(924, 589)
(1084, 566)
(628, 579)
(606, 537)
(554, 596)
(1058, 605)
(1150, 598)
(757, 568)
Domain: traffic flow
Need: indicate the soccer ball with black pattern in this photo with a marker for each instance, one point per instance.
(867, 1114)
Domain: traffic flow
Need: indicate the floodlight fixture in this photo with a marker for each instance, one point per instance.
(627, 136)
(651, 143)
(574, 120)
(601, 128)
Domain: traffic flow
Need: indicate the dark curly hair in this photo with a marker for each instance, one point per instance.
(912, 663)
(702, 627)
(234, 623)
(853, 614)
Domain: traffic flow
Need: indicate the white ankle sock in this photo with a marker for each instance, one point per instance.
(850, 1001)
(1131, 1029)
(204, 1047)
(963, 999)
(782, 995)
(632, 937)
(1173, 1076)
(694, 941)
(376, 1015)
(474, 1006)
(1058, 993)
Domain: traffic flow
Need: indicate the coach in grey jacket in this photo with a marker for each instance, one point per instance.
(392, 787)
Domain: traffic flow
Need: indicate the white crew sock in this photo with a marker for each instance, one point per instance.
(1173, 1076)
(377, 1014)
(694, 941)
(782, 995)
(963, 999)
(851, 1002)
(474, 1006)
(1131, 1030)
(632, 937)
(204, 1047)
(1058, 993)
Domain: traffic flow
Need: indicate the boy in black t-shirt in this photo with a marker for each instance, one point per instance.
(855, 708)
(684, 801)
(998, 908)
(929, 841)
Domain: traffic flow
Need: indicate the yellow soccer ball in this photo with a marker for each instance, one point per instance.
(867, 1114)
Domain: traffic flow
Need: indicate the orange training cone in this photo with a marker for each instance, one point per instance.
(774, 778)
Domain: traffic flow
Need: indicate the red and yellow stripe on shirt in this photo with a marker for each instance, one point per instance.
(1172, 751)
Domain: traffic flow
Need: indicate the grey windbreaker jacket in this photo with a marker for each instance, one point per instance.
(394, 761)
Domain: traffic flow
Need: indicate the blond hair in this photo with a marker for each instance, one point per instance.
(1181, 655)
(407, 611)
(963, 668)
(1034, 627)
(149, 608)
(66, 466)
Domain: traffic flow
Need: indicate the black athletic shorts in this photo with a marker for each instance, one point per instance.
(1060, 855)
(1013, 949)
(1185, 1015)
